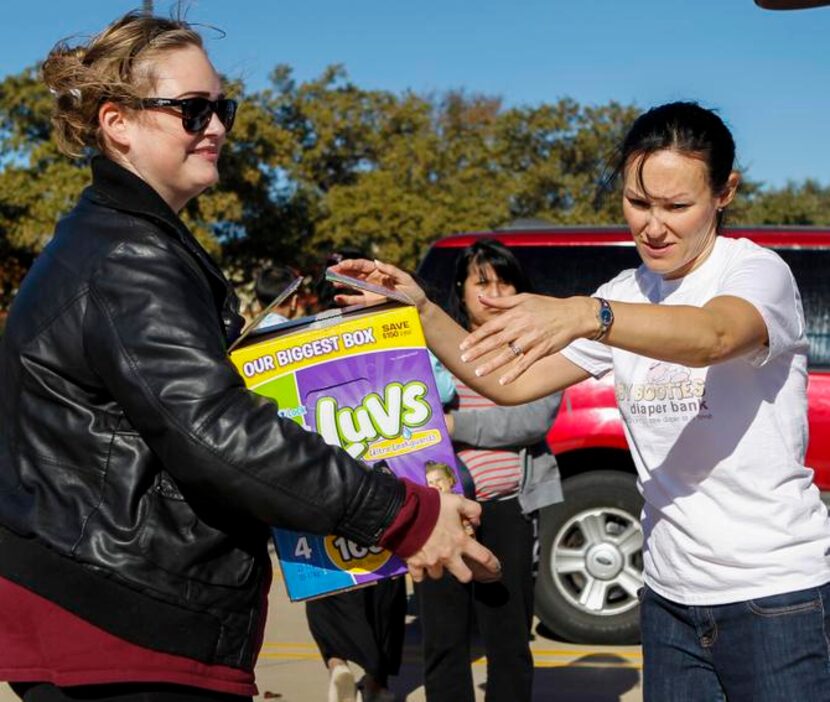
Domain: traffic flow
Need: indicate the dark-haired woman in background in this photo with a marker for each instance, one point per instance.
(707, 344)
(513, 474)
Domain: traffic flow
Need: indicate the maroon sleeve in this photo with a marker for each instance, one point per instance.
(409, 530)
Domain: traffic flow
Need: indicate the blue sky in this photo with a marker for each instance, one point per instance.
(767, 72)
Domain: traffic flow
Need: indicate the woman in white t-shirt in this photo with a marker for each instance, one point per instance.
(706, 341)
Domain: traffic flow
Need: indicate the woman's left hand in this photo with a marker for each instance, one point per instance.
(451, 546)
(528, 328)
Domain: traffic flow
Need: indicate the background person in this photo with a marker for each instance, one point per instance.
(138, 476)
(736, 596)
(268, 284)
(513, 474)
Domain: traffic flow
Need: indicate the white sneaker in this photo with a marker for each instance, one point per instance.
(342, 687)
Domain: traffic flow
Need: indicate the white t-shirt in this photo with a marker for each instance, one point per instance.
(730, 512)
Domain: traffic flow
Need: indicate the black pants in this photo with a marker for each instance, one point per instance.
(121, 692)
(503, 610)
(365, 626)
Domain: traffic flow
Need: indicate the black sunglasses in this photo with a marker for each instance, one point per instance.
(197, 111)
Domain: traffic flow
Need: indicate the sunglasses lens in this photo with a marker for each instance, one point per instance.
(196, 113)
(226, 109)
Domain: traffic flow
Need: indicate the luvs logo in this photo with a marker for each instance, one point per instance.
(354, 428)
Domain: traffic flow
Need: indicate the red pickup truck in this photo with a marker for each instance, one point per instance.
(591, 545)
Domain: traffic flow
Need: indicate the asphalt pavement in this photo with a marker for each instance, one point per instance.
(290, 668)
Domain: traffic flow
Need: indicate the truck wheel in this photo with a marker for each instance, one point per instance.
(591, 560)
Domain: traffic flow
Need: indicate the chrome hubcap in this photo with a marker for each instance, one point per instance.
(597, 561)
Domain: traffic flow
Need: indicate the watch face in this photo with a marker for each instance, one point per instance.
(606, 316)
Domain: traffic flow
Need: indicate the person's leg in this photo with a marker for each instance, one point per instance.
(386, 611)
(121, 692)
(775, 648)
(341, 629)
(386, 614)
(445, 614)
(677, 656)
(504, 609)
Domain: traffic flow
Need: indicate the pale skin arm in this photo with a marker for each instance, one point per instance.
(444, 337)
(725, 327)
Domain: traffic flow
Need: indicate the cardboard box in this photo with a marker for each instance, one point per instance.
(362, 378)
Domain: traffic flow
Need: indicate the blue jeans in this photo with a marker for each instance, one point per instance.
(773, 649)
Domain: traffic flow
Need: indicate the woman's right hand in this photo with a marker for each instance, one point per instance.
(384, 274)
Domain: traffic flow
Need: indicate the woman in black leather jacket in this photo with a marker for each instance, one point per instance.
(137, 475)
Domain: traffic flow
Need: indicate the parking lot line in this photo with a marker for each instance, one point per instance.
(542, 658)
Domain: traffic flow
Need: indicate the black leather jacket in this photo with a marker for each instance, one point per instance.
(137, 474)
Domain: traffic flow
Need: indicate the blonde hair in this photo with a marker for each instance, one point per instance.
(115, 65)
(449, 473)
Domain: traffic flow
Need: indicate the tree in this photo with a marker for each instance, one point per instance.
(314, 166)
(35, 182)
(391, 173)
(434, 173)
(807, 203)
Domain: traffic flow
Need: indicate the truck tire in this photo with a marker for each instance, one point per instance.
(591, 560)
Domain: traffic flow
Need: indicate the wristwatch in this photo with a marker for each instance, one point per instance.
(605, 317)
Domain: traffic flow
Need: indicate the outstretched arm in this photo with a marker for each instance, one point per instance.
(444, 337)
(723, 328)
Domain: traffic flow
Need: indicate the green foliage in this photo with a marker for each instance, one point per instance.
(391, 173)
(318, 165)
(807, 203)
(36, 183)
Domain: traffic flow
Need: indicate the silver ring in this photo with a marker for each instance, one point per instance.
(515, 348)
